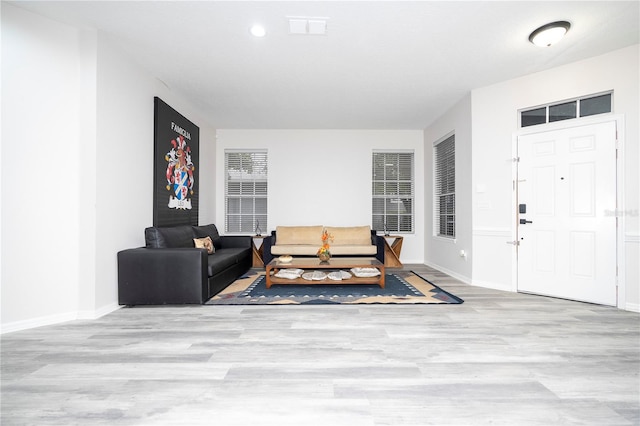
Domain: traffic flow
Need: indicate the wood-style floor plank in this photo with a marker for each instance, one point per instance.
(500, 358)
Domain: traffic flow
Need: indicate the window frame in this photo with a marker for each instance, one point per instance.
(577, 113)
(395, 191)
(246, 193)
(444, 187)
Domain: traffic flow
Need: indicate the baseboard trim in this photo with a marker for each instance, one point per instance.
(91, 315)
(57, 319)
(38, 322)
(633, 307)
(492, 285)
(449, 272)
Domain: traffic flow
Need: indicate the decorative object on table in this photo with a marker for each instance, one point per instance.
(403, 287)
(175, 167)
(258, 230)
(323, 252)
(285, 258)
(314, 276)
(291, 273)
(365, 272)
(324, 256)
(386, 230)
(339, 275)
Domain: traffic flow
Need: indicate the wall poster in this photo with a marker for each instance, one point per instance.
(176, 161)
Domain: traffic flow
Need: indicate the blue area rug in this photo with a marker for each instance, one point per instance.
(402, 287)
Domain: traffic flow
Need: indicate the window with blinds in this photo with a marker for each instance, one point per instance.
(245, 191)
(393, 191)
(445, 187)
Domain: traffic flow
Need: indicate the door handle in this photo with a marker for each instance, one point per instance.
(524, 221)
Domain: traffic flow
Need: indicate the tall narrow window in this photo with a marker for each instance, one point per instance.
(393, 193)
(445, 187)
(245, 191)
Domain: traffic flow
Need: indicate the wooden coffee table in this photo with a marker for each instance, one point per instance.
(335, 264)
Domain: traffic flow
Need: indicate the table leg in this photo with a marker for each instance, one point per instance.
(267, 278)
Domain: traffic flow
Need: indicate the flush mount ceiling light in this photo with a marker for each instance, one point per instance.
(258, 30)
(549, 34)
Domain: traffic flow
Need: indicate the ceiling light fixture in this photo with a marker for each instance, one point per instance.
(258, 30)
(549, 34)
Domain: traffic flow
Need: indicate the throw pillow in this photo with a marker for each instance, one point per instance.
(208, 231)
(205, 243)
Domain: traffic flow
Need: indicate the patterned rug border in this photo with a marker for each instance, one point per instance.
(420, 292)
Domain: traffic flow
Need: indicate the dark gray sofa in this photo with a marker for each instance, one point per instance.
(170, 270)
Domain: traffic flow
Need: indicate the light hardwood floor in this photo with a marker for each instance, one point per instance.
(500, 358)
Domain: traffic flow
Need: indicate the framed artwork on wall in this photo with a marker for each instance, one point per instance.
(175, 167)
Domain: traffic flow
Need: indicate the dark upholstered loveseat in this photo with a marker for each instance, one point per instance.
(170, 270)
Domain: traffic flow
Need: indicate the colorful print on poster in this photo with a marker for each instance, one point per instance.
(180, 178)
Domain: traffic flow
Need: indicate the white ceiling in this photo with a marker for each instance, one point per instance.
(382, 65)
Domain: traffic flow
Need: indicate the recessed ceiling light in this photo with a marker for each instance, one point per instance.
(549, 34)
(258, 30)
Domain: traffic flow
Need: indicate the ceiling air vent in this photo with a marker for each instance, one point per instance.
(301, 25)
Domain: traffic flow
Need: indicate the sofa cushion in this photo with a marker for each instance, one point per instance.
(224, 258)
(210, 231)
(311, 250)
(205, 243)
(359, 250)
(295, 249)
(169, 237)
(299, 235)
(349, 235)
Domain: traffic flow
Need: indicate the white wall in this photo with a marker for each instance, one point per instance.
(86, 166)
(40, 177)
(495, 120)
(444, 253)
(1, 208)
(323, 177)
(78, 117)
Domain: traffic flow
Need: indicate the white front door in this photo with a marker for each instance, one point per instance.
(566, 220)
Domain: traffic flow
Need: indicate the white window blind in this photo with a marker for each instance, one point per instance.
(445, 187)
(393, 191)
(246, 192)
